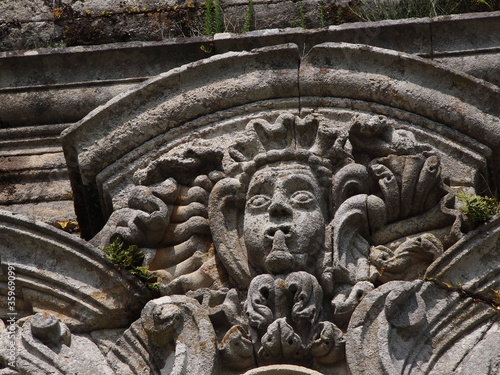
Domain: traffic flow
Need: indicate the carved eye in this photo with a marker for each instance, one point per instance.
(259, 201)
(303, 197)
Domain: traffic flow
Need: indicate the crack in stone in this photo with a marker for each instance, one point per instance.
(476, 297)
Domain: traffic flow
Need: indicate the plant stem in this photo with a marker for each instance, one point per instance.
(249, 17)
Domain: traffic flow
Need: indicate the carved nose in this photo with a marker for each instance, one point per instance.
(279, 243)
(279, 208)
(281, 230)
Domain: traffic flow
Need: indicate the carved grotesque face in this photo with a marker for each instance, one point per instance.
(284, 223)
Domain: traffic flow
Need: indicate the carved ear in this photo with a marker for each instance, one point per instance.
(350, 180)
(225, 209)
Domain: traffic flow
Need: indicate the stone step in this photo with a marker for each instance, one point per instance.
(30, 140)
(43, 161)
(37, 191)
(33, 175)
(48, 212)
(33, 146)
(30, 131)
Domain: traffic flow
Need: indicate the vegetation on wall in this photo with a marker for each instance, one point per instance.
(477, 208)
(377, 10)
(129, 23)
(122, 22)
(130, 259)
(212, 17)
(300, 10)
(334, 14)
(249, 17)
(70, 226)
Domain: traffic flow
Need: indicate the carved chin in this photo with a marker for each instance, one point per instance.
(279, 262)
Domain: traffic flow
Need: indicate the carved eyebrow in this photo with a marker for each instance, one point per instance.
(264, 185)
(299, 182)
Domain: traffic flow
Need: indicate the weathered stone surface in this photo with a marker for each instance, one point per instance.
(456, 52)
(58, 273)
(299, 215)
(73, 103)
(86, 22)
(45, 336)
(445, 40)
(268, 74)
(39, 34)
(378, 67)
(454, 309)
(410, 36)
(476, 65)
(33, 175)
(419, 328)
(308, 209)
(50, 90)
(47, 212)
(472, 265)
(70, 23)
(173, 336)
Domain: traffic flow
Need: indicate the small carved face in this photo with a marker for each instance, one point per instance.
(284, 222)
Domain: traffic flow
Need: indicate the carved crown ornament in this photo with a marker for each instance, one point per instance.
(308, 228)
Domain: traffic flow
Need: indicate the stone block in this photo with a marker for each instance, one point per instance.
(483, 33)
(58, 273)
(410, 36)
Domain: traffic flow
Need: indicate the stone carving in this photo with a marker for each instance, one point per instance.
(283, 313)
(407, 318)
(174, 220)
(408, 261)
(306, 215)
(173, 336)
(59, 273)
(311, 240)
(147, 214)
(236, 349)
(412, 321)
(44, 345)
(275, 241)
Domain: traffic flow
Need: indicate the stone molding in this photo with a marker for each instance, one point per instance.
(405, 317)
(60, 273)
(394, 79)
(298, 212)
(43, 93)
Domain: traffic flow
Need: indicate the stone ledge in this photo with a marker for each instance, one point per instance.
(42, 88)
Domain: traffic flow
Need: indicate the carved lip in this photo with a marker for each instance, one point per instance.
(286, 229)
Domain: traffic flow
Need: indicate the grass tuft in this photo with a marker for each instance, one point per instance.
(129, 258)
(477, 208)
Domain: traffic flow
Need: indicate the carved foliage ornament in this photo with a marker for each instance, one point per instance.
(275, 240)
(303, 216)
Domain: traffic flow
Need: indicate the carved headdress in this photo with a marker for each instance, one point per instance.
(289, 139)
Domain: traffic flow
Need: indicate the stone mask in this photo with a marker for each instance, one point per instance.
(284, 219)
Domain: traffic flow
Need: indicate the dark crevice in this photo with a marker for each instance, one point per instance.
(431, 39)
(476, 297)
(298, 85)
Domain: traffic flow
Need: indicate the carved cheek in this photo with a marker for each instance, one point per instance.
(253, 231)
(310, 231)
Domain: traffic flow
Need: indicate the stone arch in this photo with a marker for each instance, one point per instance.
(443, 107)
(168, 165)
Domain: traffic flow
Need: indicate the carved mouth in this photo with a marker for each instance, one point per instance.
(285, 229)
